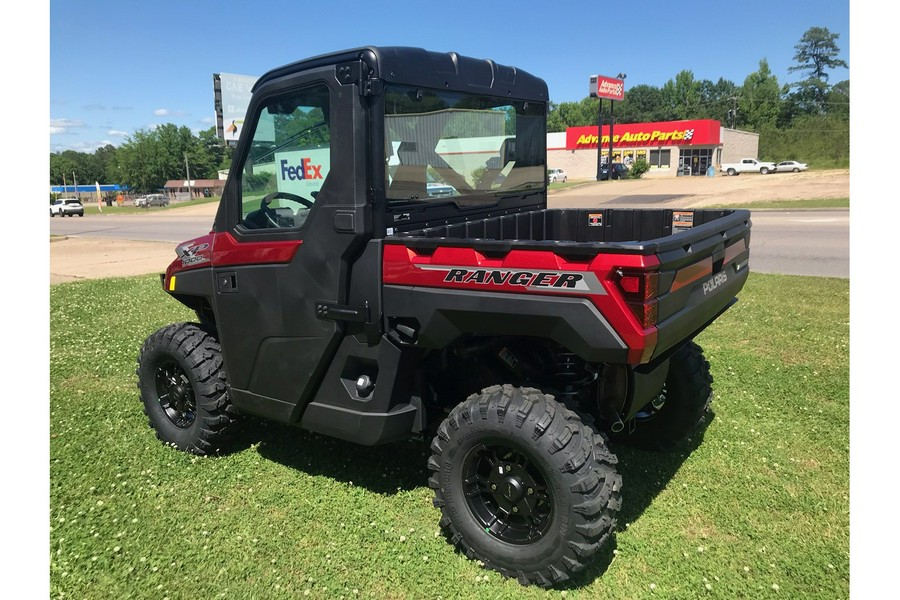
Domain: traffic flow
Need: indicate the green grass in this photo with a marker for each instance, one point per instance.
(561, 185)
(759, 509)
(789, 204)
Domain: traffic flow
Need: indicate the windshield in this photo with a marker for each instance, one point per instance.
(467, 148)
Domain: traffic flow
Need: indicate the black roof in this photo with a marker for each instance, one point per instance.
(437, 70)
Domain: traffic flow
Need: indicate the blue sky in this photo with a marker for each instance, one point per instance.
(119, 66)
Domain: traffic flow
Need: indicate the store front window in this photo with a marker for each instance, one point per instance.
(695, 161)
(660, 159)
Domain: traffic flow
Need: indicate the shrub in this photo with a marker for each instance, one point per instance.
(639, 167)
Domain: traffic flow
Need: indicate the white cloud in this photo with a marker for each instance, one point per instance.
(81, 146)
(117, 132)
(207, 120)
(161, 112)
(62, 126)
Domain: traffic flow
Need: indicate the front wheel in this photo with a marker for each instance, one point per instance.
(523, 485)
(181, 378)
(764, 171)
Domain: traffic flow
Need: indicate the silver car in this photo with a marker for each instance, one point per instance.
(790, 166)
(557, 176)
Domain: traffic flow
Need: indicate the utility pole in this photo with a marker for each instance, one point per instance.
(612, 120)
(599, 136)
(75, 182)
(187, 168)
(733, 112)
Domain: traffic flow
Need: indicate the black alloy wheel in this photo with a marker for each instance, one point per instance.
(181, 378)
(524, 485)
(175, 394)
(507, 493)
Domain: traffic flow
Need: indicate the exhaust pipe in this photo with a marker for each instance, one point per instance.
(617, 425)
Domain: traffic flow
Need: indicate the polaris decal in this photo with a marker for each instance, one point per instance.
(548, 281)
(710, 285)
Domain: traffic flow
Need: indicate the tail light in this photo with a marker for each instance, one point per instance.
(639, 290)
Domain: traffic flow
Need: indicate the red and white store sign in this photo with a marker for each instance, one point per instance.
(702, 132)
(607, 87)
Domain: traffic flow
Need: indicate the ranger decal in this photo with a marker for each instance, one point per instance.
(550, 281)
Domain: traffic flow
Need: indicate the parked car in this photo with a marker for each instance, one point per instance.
(152, 200)
(157, 200)
(67, 207)
(619, 171)
(557, 176)
(748, 165)
(790, 166)
(440, 190)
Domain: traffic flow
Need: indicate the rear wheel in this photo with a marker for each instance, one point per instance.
(732, 172)
(524, 485)
(685, 403)
(182, 383)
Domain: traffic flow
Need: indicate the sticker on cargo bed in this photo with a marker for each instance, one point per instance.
(714, 282)
(595, 220)
(547, 281)
(682, 219)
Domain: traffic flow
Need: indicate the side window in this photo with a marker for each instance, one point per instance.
(288, 160)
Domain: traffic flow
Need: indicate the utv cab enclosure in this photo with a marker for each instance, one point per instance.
(383, 264)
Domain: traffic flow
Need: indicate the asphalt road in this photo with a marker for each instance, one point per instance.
(796, 242)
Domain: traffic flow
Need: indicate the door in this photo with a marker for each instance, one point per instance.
(283, 250)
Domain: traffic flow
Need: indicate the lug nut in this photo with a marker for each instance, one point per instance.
(530, 491)
(515, 509)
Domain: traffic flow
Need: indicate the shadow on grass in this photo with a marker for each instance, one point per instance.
(645, 474)
(385, 469)
(401, 466)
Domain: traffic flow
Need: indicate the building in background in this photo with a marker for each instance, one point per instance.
(672, 148)
(182, 190)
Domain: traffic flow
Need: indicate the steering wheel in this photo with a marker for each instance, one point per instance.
(269, 213)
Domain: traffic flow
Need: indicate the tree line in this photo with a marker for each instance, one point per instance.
(146, 160)
(807, 120)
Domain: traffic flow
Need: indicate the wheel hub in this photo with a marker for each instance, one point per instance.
(513, 489)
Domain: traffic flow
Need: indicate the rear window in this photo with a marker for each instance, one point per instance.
(467, 148)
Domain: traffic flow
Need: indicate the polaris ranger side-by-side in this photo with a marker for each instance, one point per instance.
(383, 264)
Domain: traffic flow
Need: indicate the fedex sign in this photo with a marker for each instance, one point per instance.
(609, 88)
(305, 170)
(302, 171)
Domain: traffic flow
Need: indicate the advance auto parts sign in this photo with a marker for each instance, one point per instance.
(668, 133)
(302, 172)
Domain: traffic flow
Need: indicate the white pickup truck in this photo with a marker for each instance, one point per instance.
(748, 165)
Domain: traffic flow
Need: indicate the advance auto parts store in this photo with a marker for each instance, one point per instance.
(672, 148)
